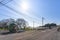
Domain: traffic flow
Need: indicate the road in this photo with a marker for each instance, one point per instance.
(49, 34)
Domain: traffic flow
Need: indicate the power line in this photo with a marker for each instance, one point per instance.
(12, 8)
(5, 1)
(6, 15)
(28, 11)
(15, 10)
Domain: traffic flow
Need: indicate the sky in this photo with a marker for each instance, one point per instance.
(31, 11)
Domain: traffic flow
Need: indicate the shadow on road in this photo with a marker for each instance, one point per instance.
(6, 33)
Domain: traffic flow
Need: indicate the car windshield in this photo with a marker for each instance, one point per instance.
(29, 20)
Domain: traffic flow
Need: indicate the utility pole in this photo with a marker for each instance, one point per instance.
(33, 24)
(42, 21)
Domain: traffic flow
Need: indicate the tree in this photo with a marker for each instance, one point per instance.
(10, 21)
(51, 25)
(21, 23)
(12, 27)
(3, 23)
(6, 22)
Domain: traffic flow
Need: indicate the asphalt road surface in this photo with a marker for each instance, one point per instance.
(49, 34)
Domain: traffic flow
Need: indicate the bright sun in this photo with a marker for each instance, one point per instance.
(24, 6)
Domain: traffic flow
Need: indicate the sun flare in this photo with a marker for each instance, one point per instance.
(24, 6)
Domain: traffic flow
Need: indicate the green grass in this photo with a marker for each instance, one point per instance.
(3, 29)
